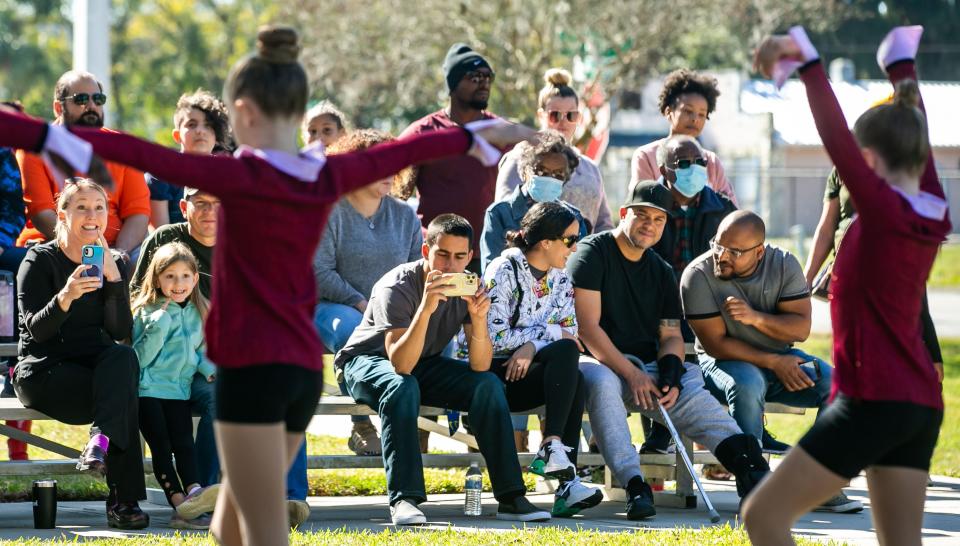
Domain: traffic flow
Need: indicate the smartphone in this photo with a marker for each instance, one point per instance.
(92, 255)
(464, 284)
(813, 369)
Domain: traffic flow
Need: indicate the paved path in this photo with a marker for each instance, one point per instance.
(941, 524)
(944, 307)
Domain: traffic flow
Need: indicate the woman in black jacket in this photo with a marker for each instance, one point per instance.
(70, 365)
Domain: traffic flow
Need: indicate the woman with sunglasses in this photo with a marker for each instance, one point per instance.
(559, 110)
(533, 325)
(686, 100)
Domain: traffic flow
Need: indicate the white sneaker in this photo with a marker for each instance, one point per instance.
(573, 496)
(552, 462)
(404, 512)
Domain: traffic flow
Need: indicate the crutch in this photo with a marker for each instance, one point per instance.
(714, 516)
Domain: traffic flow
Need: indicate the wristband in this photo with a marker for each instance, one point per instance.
(669, 371)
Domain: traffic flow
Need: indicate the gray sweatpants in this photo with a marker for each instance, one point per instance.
(697, 414)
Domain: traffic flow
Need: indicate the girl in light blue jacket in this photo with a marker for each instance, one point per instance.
(168, 315)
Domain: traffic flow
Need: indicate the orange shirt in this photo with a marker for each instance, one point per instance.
(130, 195)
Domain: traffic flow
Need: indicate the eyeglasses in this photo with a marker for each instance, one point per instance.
(556, 116)
(476, 76)
(81, 99)
(569, 240)
(686, 163)
(559, 175)
(719, 249)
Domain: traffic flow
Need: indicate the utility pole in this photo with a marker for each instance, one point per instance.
(91, 44)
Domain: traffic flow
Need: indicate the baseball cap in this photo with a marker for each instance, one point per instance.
(650, 193)
(188, 191)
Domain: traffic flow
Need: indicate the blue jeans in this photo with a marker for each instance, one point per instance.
(334, 322)
(203, 404)
(439, 382)
(745, 388)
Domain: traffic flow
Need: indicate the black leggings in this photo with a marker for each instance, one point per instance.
(553, 380)
(167, 426)
(102, 390)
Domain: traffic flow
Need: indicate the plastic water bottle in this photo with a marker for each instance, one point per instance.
(472, 489)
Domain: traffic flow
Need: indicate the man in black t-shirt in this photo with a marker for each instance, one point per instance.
(628, 310)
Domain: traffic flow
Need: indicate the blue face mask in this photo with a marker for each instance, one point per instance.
(544, 189)
(691, 180)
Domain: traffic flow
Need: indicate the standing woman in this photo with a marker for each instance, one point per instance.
(686, 100)
(888, 404)
(71, 366)
(533, 324)
(274, 204)
(559, 110)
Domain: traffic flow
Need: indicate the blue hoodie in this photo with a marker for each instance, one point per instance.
(169, 343)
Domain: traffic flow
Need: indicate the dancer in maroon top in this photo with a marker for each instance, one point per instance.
(275, 202)
(884, 373)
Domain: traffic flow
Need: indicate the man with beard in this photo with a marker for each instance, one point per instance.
(78, 99)
(458, 185)
(748, 303)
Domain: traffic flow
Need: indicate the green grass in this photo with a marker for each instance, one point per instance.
(534, 536)
(946, 270)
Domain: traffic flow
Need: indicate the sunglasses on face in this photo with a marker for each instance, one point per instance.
(477, 76)
(686, 163)
(81, 99)
(570, 240)
(556, 116)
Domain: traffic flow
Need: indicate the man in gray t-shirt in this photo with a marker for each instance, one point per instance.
(393, 363)
(748, 303)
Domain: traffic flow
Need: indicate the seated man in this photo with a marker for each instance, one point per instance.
(393, 363)
(748, 303)
(628, 309)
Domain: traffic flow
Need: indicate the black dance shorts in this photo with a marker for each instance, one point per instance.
(268, 393)
(852, 435)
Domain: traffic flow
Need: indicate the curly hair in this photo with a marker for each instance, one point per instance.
(683, 81)
(361, 139)
(550, 142)
(213, 110)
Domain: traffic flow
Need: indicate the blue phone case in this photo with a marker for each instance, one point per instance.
(92, 255)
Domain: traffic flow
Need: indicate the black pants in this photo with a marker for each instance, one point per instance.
(167, 426)
(554, 381)
(101, 390)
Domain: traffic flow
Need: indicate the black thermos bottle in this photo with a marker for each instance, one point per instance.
(45, 504)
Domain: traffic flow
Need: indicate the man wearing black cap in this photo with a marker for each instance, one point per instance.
(696, 211)
(628, 310)
(458, 185)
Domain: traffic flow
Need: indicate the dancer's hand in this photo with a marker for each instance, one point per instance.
(772, 50)
(507, 134)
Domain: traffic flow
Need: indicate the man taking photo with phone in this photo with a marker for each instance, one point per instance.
(748, 303)
(393, 363)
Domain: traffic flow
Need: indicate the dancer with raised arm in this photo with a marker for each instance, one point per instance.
(888, 406)
(275, 202)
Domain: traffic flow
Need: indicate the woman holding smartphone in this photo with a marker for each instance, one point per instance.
(70, 365)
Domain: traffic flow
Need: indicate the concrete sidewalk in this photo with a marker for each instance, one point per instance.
(941, 525)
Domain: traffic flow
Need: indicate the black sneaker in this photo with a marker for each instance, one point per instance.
(771, 445)
(127, 516)
(521, 509)
(641, 506)
(658, 440)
